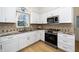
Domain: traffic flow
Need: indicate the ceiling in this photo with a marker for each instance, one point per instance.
(44, 9)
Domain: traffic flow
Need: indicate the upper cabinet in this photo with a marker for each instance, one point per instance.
(2, 18)
(11, 14)
(65, 14)
(38, 15)
(8, 14)
(35, 18)
(43, 18)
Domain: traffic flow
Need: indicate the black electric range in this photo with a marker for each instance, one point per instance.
(51, 37)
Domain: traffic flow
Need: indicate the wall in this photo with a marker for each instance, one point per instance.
(5, 27)
(76, 13)
(67, 27)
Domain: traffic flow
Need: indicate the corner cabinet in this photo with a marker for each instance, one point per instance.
(8, 14)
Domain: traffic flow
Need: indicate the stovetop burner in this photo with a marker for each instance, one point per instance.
(52, 31)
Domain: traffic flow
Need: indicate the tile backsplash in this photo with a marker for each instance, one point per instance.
(8, 27)
(67, 28)
(64, 27)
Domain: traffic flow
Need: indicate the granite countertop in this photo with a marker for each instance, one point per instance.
(70, 33)
(19, 32)
(13, 33)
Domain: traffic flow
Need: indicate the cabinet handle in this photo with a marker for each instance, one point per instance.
(64, 47)
(65, 41)
(28, 38)
(10, 37)
(1, 46)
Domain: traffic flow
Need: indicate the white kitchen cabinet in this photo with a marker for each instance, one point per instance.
(17, 42)
(33, 37)
(26, 39)
(34, 17)
(41, 35)
(43, 18)
(2, 14)
(10, 45)
(65, 15)
(22, 40)
(8, 14)
(66, 42)
(0, 47)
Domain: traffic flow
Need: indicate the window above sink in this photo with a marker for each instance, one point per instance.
(23, 17)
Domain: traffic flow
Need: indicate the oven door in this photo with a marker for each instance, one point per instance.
(51, 38)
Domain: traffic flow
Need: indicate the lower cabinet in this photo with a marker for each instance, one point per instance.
(17, 42)
(21, 40)
(10, 45)
(41, 35)
(0, 47)
(66, 42)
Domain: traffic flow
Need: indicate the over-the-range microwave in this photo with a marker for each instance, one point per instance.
(54, 19)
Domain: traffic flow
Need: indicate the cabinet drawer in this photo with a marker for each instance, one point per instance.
(69, 40)
(10, 41)
(66, 47)
(71, 43)
(4, 39)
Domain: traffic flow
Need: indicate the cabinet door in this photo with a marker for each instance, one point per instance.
(10, 14)
(36, 36)
(23, 40)
(32, 37)
(10, 45)
(65, 15)
(42, 35)
(20, 39)
(66, 42)
(2, 14)
(44, 18)
(35, 18)
(0, 47)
